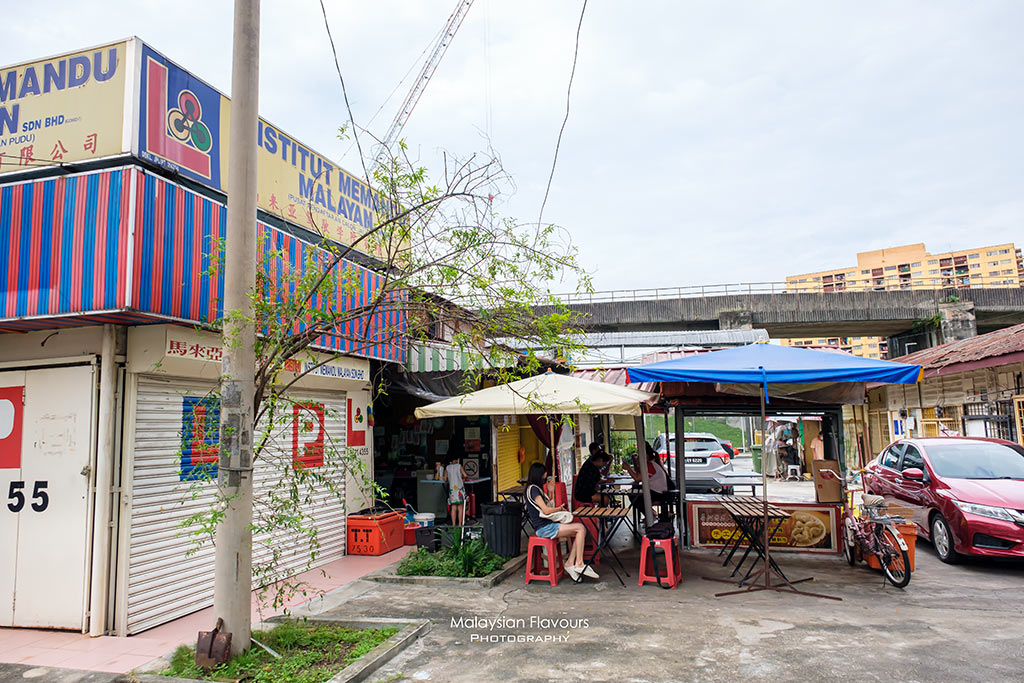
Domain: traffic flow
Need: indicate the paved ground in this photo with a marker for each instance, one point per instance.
(962, 623)
(38, 648)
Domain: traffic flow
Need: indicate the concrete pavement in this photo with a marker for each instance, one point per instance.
(952, 623)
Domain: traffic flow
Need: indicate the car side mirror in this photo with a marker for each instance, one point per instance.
(914, 474)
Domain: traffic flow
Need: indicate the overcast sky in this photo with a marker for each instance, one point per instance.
(708, 142)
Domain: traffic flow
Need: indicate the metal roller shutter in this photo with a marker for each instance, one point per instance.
(164, 580)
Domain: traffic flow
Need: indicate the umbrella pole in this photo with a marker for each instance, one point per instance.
(764, 498)
(641, 450)
(555, 469)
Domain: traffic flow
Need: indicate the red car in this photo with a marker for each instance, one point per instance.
(967, 494)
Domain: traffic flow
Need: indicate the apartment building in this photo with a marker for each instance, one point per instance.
(909, 266)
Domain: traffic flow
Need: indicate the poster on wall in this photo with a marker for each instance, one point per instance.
(472, 438)
(809, 529)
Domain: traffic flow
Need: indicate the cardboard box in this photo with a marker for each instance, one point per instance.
(826, 490)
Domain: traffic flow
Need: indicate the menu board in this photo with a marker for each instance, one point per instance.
(810, 528)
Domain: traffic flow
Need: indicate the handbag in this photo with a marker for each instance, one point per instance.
(559, 516)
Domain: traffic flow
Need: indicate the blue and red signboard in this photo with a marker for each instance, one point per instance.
(179, 120)
(200, 438)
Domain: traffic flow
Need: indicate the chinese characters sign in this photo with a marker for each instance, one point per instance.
(61, 110)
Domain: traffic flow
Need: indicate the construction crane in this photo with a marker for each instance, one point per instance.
(429, 67)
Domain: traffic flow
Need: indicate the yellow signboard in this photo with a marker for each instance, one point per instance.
(66, 109)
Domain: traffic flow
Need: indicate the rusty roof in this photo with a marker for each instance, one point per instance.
(983, 347)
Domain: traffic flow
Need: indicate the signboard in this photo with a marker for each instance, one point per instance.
(65, 109)
(356, 435)
(184, 125)
(12, 405)
(200, 438)
(810, 528)
(308, 434)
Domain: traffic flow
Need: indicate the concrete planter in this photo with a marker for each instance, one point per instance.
(388, 575)
(359, 670)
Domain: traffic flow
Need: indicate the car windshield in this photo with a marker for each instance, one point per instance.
(702, 445)
(976, 461)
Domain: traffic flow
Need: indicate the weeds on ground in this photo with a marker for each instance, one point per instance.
(310, 653)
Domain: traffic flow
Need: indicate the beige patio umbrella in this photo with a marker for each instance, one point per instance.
(551, 394)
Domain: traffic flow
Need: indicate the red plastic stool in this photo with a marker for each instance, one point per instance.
(673, 572)
(535, 569)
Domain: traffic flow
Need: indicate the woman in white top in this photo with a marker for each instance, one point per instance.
(456, 478)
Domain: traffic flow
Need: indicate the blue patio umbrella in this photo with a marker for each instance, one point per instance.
(785, 367)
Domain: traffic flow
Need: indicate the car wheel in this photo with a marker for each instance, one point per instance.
(942, 539)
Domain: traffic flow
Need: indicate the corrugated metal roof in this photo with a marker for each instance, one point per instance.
(998, 343)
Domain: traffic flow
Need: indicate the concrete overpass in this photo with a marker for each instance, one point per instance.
(961, 312)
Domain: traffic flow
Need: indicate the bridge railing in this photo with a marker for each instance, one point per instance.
(810, 286)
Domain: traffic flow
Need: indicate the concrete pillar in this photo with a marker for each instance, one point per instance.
(957, 321)
(735, 320)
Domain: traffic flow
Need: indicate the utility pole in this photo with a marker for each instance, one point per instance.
(233, 578)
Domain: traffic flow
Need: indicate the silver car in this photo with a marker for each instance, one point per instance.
(705, 457)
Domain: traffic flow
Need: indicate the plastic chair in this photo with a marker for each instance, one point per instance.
(673, 575)
(792, 472)
(561, 498)
(535, 560)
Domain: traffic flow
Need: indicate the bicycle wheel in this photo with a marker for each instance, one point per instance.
(894, 559)
(849, 542)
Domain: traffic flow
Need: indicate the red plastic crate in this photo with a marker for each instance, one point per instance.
(375, 534)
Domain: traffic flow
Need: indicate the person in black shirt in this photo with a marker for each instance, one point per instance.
(589, 478)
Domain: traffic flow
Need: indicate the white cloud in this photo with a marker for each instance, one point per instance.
(708, 142)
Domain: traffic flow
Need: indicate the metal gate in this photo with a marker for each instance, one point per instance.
(47, 419)
(175, 448)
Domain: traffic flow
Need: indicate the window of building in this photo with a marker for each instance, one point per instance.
(915, 265)
(993, 272)
(890, 277)
(975, 265)
(990, 253)
(1005, 261)
(932, 262)
(933, 272)
(993, 263)
(890, 267)
(803, 279)
(1007, 272)
(816, 278)
(1004, 251)
(823, 341)
(973, 255)
(865, 272)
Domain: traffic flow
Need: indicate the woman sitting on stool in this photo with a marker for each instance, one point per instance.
(537, 504)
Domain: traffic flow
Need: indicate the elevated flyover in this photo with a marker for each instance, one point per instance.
(960, 312)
